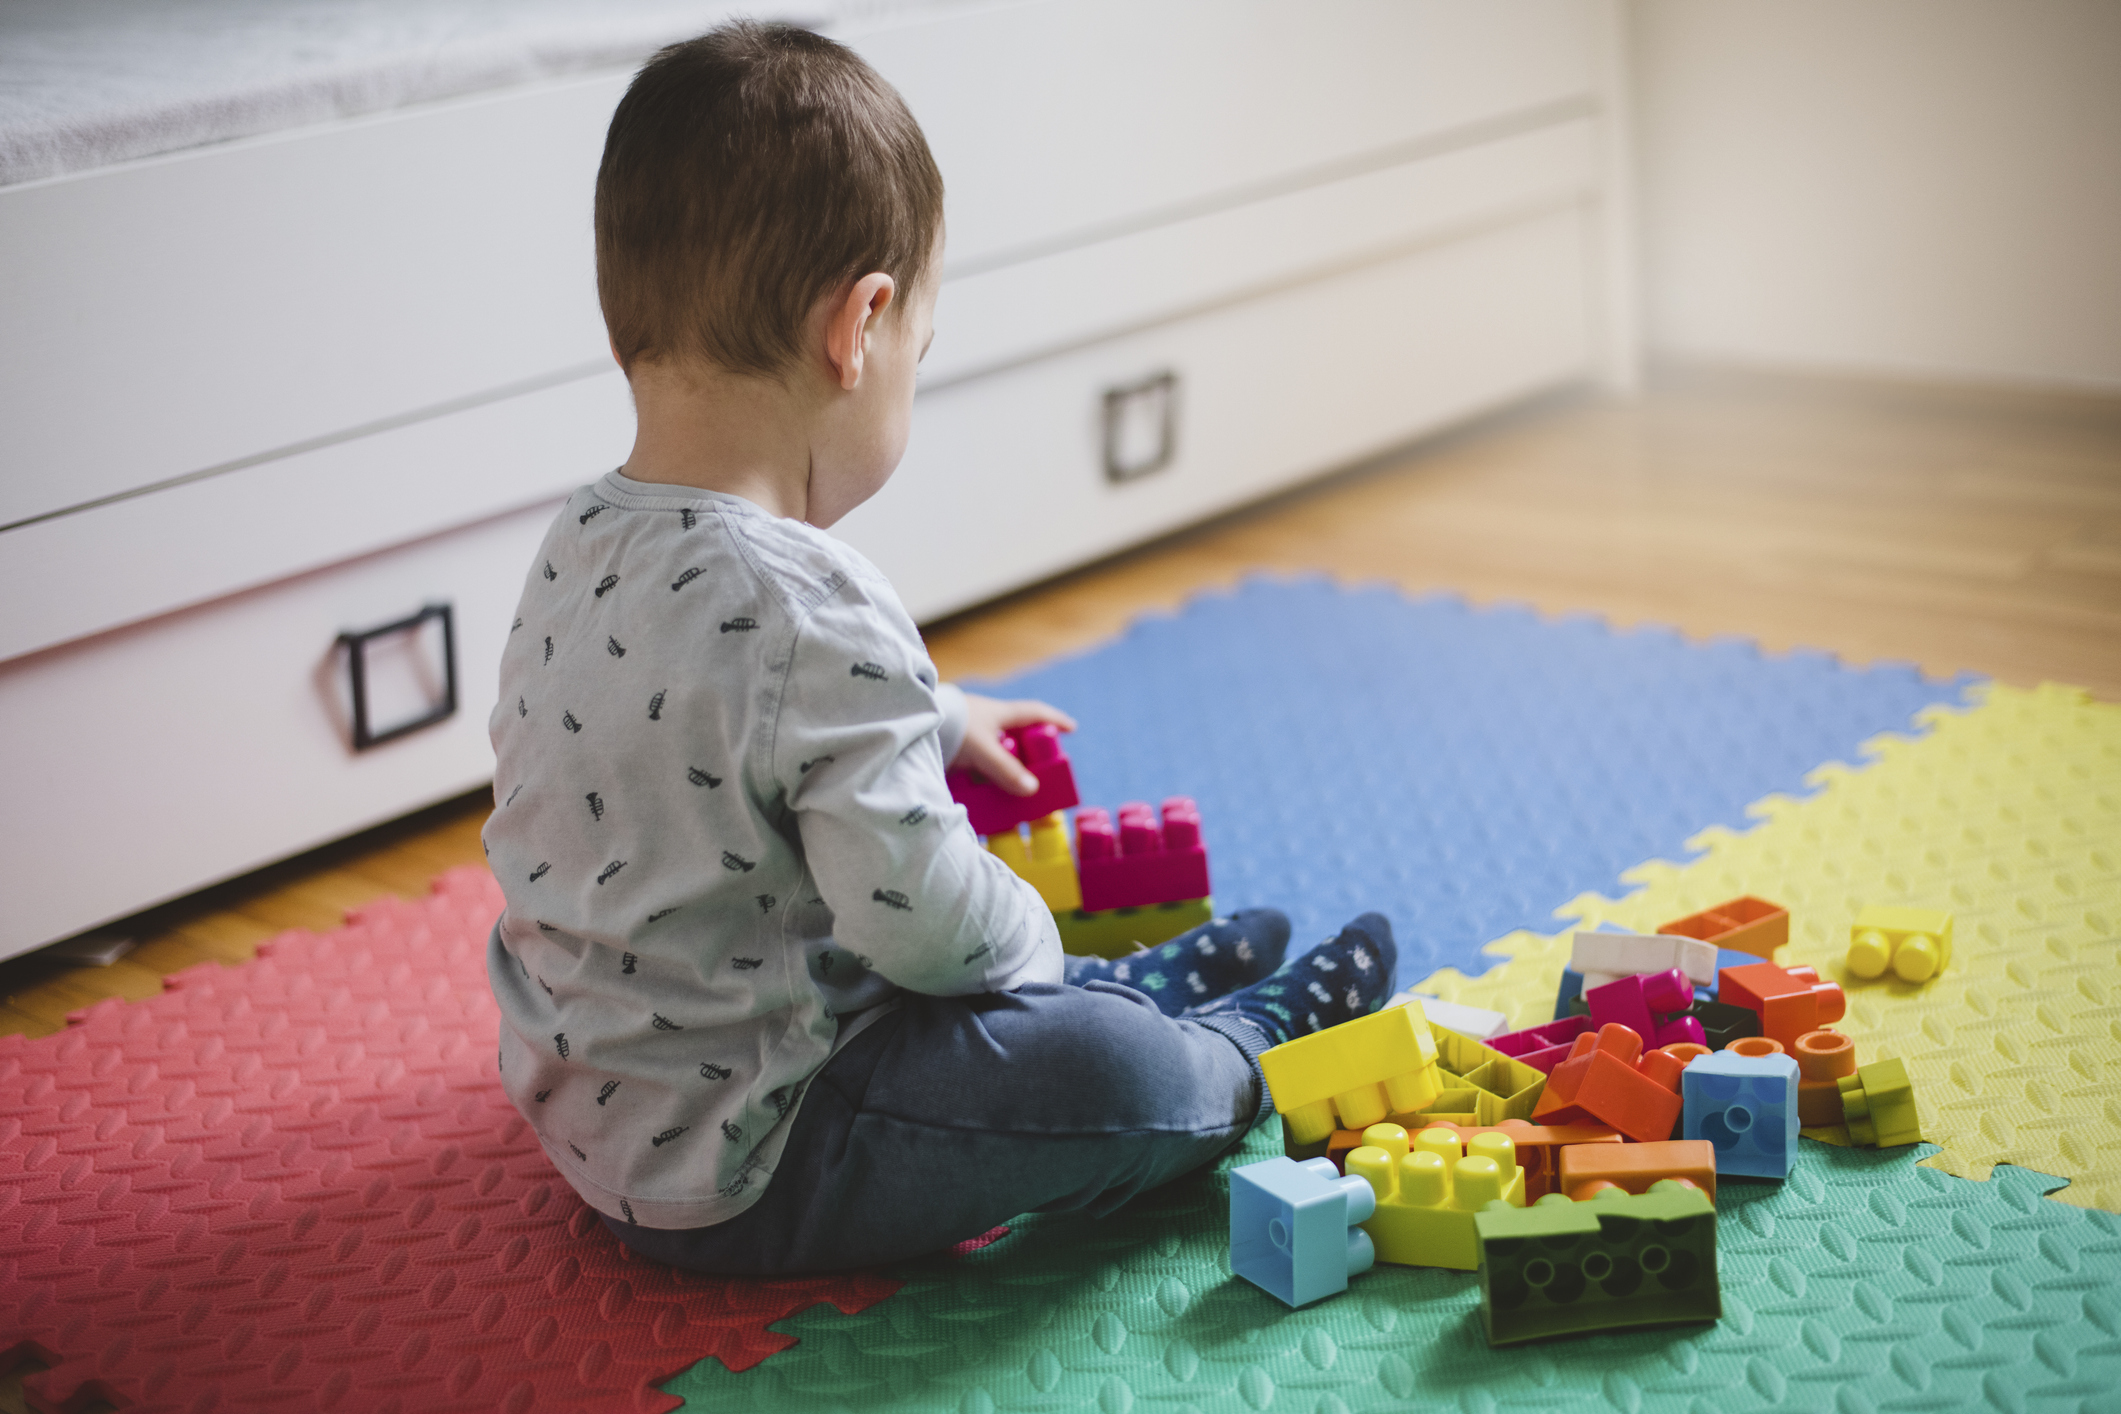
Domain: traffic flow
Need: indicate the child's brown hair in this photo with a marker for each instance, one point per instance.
(747, 174)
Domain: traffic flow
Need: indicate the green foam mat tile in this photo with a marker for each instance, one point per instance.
(1865, 1283)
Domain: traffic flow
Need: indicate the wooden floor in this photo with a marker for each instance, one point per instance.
(1955, 529)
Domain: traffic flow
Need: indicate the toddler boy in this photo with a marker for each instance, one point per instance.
(767, 1002)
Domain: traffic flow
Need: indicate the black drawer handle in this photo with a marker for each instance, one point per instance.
(1128, 408)
(356, 642)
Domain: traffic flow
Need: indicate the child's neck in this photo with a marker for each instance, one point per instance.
(748, 437)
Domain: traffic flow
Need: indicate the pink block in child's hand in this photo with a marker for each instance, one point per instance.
(993, 810)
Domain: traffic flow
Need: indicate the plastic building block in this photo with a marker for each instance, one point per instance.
(1477, 1022)
(1589, 1169)
(1637, 1002)
(1742, 925)
(993, 810)
(1045, 861)
(1568, 999)
(1722, 1023)
(1481, 1085)
(1144, 861)
(1789, 1000)
(1292, 1228)
(1915, 942)
(1539, 1147)
(1542, 1047)
(1823, 1057)
(1360, 1070)
(1746, 1106)
(1119, 931)
(1429, 1189)
(1754, 1047)
(1878, 1105)
(1615, 1262)
(1626, 954)
(1608, 1079)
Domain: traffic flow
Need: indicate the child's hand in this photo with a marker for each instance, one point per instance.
(982, 751)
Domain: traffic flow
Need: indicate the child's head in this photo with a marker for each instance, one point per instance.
(768, 215)
(748, 175)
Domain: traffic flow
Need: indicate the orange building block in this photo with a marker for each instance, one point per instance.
(1589, 1169)
(1743, 925)
(1823, 1057)
(1608, 1080)
(1789, 1000)
(1538, 1146)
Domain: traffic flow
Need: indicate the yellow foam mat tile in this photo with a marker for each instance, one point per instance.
(2009, 815)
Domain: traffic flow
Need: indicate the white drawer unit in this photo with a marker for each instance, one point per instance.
(259, 393)
(143, 763)
(1017, 476)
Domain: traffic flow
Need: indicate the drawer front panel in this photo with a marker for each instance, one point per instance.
(146, 763)
(1005, 482)
(1057, 122)
(1001, 316)
(131, 559)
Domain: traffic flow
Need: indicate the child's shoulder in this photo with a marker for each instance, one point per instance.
(692, 531)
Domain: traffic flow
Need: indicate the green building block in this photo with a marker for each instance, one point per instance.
(1614, 1262)
(1879, 1105)
(1115, 931)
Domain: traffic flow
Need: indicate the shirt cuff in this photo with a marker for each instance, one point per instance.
(951, 698)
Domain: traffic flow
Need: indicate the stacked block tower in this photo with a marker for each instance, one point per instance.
(1131, 884)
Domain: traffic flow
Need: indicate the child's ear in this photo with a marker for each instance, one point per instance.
(847, 327)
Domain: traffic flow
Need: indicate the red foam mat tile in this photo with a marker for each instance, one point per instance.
(297, 1185)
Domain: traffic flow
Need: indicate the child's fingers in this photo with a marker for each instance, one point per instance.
(992, 760)
(1026, 711)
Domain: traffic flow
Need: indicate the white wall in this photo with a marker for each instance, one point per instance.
(1902, 187)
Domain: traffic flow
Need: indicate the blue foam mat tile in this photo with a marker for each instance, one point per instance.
(1464, 771)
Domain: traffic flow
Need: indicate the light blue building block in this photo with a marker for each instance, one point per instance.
(1747, 1107)
(1292, 1227)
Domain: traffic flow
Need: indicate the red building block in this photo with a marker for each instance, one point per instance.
(993, 809)
(1742, 925)
(1637, 1002)
(1143, 862)
(1588, 1169)
(1789, 1000)
(1608, 1080)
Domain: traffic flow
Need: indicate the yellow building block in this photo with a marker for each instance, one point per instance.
(1878, 1104)
(1121, 932)
(1046, 862)
(1429, 1189)
(1361, 1070)
(1915, 942)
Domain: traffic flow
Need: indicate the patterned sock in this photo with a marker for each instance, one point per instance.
(1198, 966)
(1336, 981)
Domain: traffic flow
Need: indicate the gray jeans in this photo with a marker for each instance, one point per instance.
(952, 1115)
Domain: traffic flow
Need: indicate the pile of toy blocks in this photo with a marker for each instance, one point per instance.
(1573, 1164)
(1125, 884)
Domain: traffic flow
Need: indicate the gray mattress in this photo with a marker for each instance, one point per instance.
(84, 83)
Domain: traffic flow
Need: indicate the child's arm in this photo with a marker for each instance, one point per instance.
(857, 751)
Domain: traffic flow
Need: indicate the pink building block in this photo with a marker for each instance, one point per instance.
(1142, 863)
(993, 809)
(1636, 1003)
(1542, 1047)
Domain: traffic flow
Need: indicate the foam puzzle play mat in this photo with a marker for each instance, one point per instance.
(1764, 1053)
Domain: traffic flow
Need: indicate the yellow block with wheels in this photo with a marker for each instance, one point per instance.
(1047, 863)
(1429, 1189)
(1362, 1070)
(1915, 942)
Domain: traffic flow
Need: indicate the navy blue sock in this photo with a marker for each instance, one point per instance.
(1336, 981)
(1197, 966)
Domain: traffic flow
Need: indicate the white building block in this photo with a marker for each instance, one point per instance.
(1477, 1022)
(1608, 956)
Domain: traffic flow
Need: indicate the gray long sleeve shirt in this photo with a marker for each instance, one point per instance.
(721, 826)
